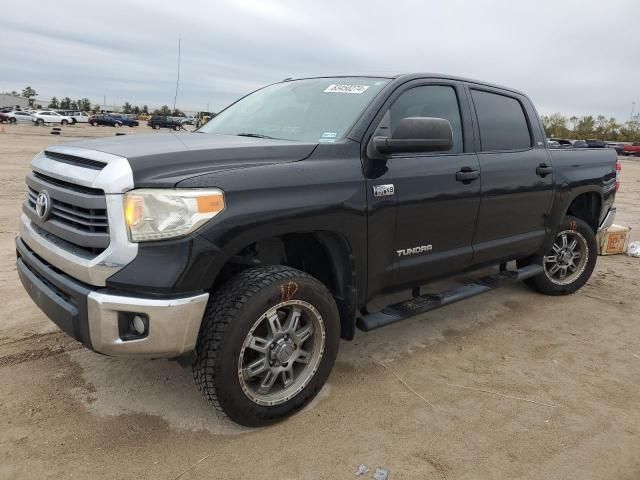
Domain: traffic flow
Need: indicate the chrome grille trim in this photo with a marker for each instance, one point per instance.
(114, 179)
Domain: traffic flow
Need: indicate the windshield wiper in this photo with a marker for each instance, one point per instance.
(255, 135)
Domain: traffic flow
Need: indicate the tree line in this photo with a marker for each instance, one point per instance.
(588, 126)
(84, 105)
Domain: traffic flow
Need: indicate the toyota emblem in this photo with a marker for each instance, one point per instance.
(43, 205)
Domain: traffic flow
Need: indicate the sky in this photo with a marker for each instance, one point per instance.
(573, 57)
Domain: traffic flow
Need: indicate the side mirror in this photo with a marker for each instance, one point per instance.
(416, 134)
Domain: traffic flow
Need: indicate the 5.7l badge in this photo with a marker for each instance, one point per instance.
(383, 190)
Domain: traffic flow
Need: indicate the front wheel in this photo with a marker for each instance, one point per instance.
(64, 122)
(570, 262)
(12, 120)
(40, 121)
(267, 344)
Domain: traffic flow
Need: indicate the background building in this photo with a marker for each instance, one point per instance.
(7, 100)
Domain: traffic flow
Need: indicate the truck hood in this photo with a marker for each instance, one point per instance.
(163, 160)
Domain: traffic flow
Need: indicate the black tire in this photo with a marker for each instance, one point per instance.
(94, 124)
(156, 127)
(117, 125)
(232, 312)
(545, 283)
(176, 127)
(12, 120)
(64, 122)
(40, 121)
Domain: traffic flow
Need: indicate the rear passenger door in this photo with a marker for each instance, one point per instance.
(516, 193)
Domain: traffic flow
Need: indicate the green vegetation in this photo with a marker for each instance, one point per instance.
(600, 127)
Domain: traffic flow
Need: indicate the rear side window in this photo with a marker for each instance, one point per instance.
(503, 125)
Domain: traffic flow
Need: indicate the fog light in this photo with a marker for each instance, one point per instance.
(138, 325)
(133, 325)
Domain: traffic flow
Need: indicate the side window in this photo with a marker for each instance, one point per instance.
(437, 101)
(503, 125)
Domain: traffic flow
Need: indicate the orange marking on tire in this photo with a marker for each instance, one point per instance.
(288, 291)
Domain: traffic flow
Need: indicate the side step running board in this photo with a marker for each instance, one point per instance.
(425, 303)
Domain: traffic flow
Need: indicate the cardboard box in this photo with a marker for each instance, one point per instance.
(613, 240)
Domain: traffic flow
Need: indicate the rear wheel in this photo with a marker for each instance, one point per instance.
(40, 121)
(267, 344)
(64, 122)
(570, 261)
(94, 124)
(12, 120)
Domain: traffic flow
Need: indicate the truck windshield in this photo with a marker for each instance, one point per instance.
(311, 110)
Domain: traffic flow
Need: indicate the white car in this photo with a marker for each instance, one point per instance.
(18, 116)
(75, 116)
(45, 116)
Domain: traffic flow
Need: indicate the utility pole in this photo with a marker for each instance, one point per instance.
(633, 107)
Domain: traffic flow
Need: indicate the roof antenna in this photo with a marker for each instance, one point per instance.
(175, 98)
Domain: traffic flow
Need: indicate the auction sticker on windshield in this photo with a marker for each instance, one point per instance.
(345, 88)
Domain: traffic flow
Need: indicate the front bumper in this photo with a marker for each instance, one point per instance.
(97, 318)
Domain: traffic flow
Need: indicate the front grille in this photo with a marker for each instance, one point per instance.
(78, 214)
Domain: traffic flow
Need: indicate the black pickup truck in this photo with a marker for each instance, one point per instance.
(249, 248)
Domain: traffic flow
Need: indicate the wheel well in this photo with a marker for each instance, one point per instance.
(324, 255)
(586, 206)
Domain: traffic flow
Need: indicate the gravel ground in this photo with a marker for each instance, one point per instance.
(507, 385)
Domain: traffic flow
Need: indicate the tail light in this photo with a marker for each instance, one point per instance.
(618, 172)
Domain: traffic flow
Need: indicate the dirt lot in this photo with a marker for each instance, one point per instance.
(503, 386)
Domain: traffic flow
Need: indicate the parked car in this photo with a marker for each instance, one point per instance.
(579, 144)
(112, 120)
(593, 143)
(157, 121)
(48, 116)
(76, 116)
(18, 116)
(553, 144)
(4, 117)
(562, 142)
(633, 149)
(249, 249)
(618, 147)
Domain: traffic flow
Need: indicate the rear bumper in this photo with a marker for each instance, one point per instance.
(100, 320)
(608, 219)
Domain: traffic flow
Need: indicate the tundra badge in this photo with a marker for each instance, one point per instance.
(415, 250)
(384, 190)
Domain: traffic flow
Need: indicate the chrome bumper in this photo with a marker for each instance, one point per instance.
(173, 324)
(608, 219)
(101, 320)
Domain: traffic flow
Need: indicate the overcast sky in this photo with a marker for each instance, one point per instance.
(574, 57)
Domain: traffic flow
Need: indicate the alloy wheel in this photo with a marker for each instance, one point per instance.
(567, 259)
(281, 353)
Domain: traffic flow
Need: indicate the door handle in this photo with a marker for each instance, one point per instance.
(467, 175)
(543, 169)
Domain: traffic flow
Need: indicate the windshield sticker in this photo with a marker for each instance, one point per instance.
(329, 135)
(345, 88)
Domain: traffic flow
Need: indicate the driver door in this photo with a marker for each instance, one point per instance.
(435, 208)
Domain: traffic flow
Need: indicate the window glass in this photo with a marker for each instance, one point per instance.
(436, 101)
(502, 123)
(309, 110)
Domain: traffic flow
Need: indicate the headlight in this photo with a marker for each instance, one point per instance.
(155, 214)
